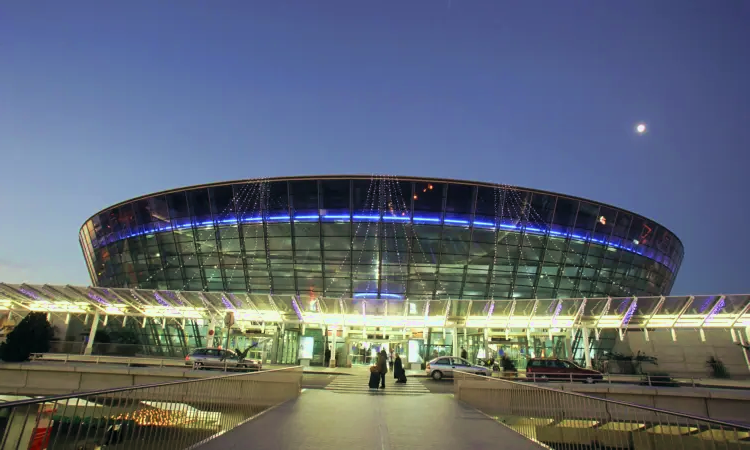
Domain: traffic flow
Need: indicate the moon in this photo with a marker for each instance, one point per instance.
(640, 128)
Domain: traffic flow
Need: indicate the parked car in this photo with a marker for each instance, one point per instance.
(559, 369)
(216, 358)
(446, 366)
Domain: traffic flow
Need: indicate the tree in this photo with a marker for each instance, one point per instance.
(32, 335)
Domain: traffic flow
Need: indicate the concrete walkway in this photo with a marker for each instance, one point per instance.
(326, 420)
(354, 370)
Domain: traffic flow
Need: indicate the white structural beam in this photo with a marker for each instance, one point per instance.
(656, 310)
(586, 347)
(92, 334)
(705, 319)
(739, 316)
(682, 311)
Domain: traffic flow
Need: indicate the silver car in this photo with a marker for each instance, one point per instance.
(446, 366)
(216, 358)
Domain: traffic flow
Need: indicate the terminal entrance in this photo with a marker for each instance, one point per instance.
(364, 351)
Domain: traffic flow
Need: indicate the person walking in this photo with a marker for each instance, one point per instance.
(398, 370)
(382, 367)
(464, 355)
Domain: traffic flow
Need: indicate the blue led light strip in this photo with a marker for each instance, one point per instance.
(375, 295)
(155, 228)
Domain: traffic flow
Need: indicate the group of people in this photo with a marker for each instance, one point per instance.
(382, 368)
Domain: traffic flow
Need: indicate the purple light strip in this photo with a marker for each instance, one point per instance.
(95, 297)
(161, 300)
(171, 295)
(227, 303)
(706, 303)
(237, 301)
(629, 314)
(715, 310)
(29, 293)
(296, 309)
(557, 313)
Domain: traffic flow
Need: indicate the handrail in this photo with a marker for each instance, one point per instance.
(614, 402)
(55, 398)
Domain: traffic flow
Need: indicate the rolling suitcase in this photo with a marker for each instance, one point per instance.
(374, 380)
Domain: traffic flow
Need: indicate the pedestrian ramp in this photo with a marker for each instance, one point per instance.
(358, 384)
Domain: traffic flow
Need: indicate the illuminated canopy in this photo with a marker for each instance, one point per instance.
(704, 311)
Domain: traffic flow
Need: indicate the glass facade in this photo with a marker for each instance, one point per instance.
(379, 237)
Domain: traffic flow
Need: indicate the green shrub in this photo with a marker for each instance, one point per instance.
(717, 367)
(32, 335)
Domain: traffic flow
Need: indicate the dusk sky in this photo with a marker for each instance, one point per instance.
(104, 101)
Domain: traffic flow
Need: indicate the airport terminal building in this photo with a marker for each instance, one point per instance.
(354, 263)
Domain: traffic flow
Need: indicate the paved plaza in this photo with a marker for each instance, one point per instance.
(325, 419)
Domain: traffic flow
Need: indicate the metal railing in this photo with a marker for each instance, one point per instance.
(165, 416)
(656, 379)
(563, 420)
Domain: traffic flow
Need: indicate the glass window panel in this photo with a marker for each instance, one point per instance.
(396, 245)
(307, 255)
(447, 258)
(542, 208)
(565, 213)
(277, 198)
(229, 232)
(335, 194)
(460, 199)
(623, 224)
(508, 239)
(394, 258)
(254, 230)
(336, 255)
(280, 256)
(186, 247)
(205, 234)
(429, 197)
(364, 196)
(230, 245)
(304, 195)
(257, 271)
(531, 254)
(398, 196)
(222, 202)
(336, 229)
(200, 207)
(307, 243)
(427, 231)
(247, 199)
(588, 214)
(499, 291)
(283, 283)
(255, 247)
(259, 284)
(370, 243)
(487, 201)
(309, 268)
(337, 284)
(278, 229)
(419, 287)
(307, 229)
(455, 248)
